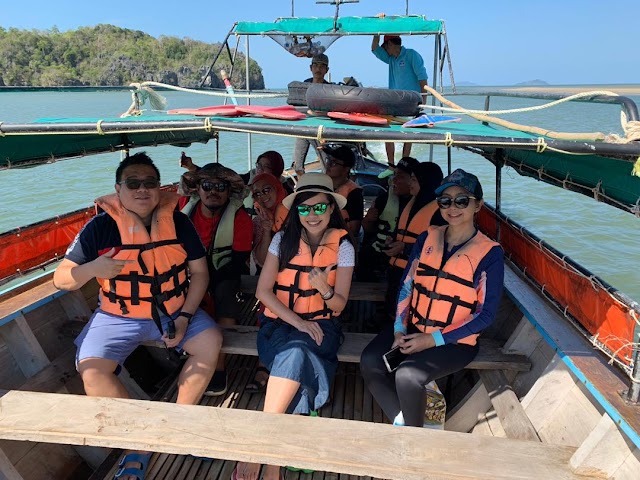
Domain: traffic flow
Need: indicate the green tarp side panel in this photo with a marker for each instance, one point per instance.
(412, 25)
(33, 149)
(592, 175)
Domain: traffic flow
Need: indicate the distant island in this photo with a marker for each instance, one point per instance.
(532, 83)
(106, 55)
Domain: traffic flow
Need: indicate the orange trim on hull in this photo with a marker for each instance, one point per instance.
(582, 297)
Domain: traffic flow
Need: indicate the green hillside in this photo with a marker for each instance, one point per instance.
(105, 55)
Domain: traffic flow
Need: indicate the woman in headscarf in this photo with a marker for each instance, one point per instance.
(267, 193)
(420, 212)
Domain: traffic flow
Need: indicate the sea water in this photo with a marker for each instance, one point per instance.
(601, 238)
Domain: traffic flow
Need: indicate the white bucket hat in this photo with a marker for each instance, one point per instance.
(316, 183)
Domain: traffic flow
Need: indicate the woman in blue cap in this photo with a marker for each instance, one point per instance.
(450, 292)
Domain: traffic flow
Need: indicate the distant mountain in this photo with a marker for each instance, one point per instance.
(532, 83)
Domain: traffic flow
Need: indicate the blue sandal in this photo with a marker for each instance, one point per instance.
(138, 472)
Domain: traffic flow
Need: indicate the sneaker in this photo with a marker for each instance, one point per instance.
(386, 173)
(218, 384)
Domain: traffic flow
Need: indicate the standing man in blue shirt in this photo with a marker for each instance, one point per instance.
(406, 72)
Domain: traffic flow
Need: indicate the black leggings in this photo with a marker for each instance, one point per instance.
(404, 390)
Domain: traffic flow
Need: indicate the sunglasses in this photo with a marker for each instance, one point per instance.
(135, 184)
(208, 186)
(461, 201)
(332, 161)
(264, 191)
(318, 209)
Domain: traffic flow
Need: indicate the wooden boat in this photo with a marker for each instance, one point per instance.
(540, 401)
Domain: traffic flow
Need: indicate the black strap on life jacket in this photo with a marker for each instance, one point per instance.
(424, 270)
(157, 298)
(455, 301)
(295, 292)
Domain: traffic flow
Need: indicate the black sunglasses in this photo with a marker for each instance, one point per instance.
(208, 186)
(265, 191)
(461, 201)
(332, 161)
(135, 184)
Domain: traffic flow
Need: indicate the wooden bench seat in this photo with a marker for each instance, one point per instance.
(241, 340)
(323, 444)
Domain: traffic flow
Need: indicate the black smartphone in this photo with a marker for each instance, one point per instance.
(393, 358)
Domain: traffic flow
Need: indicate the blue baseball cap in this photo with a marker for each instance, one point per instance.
(463, 179)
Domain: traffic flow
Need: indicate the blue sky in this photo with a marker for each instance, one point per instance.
(493, 42)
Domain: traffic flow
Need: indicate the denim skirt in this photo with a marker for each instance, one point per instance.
(289, 353)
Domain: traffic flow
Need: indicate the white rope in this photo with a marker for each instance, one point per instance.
(520, 110)
(213, 94)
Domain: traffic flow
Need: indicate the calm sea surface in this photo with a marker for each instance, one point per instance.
(601, 238)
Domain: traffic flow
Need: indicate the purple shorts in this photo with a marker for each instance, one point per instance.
(114, 337)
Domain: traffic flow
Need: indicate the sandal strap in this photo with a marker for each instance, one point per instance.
(138, 472)
(128, 472)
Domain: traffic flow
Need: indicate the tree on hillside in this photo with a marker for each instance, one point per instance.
(106, 55)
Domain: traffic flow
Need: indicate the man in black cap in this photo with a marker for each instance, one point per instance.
(340, 160)
(381, 220)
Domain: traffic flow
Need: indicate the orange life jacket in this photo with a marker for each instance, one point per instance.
(345, 189)
(157, 279)
(408, 231)
(279, 217)
(443, 296)
(292, 285)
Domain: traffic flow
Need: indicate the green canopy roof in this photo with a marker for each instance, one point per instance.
(411, 25)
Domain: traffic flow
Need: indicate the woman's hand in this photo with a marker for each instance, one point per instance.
(394, 248)
(416, 342)
(265, 222)
(398, 340)
(312, 329)
(318, 278)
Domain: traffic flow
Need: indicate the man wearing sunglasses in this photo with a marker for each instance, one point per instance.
(152, 272)
(340, 160)
(226, 231)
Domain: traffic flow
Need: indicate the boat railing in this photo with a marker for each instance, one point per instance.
(628, 105)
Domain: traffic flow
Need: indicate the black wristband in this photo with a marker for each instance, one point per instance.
(186, 315)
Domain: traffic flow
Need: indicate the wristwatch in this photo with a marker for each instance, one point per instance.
(187, 315)
(329, 294)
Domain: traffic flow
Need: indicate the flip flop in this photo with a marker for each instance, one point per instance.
(137, 472)
(254, 386)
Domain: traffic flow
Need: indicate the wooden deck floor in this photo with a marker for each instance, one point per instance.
(349, 400)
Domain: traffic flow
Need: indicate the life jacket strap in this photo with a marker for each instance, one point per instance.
(429, 271)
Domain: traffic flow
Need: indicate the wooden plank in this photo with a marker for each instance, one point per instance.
(604, 451)
(55, 375)
(372, 291)
(24, 346)
(355, 448)
(601, 379)
(241, 340)
(512, 416)
(466, 414)
(27, 301)
(75, 306)
(7, 470)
